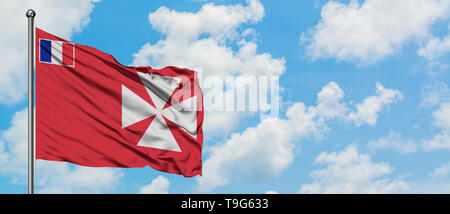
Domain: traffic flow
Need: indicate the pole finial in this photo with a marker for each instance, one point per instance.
(30, 13)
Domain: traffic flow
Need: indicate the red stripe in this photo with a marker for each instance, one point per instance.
(67, 54)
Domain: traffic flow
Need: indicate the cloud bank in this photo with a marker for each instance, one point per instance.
(369, 31)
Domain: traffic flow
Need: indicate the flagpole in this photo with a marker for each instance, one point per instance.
(30, 15)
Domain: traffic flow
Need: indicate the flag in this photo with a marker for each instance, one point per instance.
(93, 111)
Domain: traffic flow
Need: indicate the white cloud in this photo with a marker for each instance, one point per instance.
(62, 18)
(329, 105)
(51, 177)
(437, 182)
(373, 29)
(214, 41)
(368, 110)
(442, 171)
(271, 192)
(219, 21)
(258, 152)
(440, 140)
(14, 147)
(435, 48)
(265, 150)
(435, 93)
(273, 139)
(350, 172)
(429, 187)
(393, 141)
(184, 46)
(59, 177)
(159, 185)
(442, 116)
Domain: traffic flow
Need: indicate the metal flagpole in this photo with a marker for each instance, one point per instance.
(30, 15)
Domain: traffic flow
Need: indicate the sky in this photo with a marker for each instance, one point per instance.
(364, 96)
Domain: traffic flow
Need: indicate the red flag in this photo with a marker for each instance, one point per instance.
(93, 111)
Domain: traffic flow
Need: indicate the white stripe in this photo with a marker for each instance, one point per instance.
(57, 54)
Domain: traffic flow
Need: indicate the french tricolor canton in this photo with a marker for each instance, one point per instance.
(57, 52)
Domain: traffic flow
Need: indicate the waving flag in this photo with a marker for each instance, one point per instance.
(93, 111)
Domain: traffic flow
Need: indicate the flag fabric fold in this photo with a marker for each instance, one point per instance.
(93, 111)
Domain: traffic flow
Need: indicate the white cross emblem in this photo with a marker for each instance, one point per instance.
(158, 134)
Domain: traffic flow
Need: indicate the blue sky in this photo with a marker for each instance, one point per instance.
(383, 128)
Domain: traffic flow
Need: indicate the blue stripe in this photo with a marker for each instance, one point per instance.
(45, 51)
